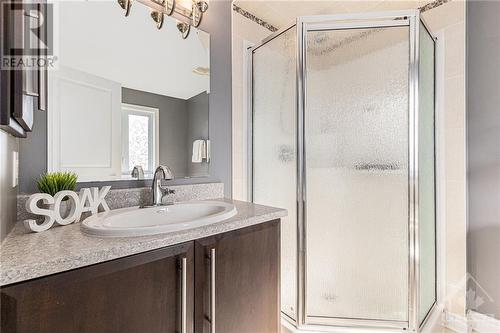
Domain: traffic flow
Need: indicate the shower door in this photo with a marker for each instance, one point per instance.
(274, 166)
(356, 169)
(343, 138)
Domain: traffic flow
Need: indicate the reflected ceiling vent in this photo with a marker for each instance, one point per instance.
(205, 43)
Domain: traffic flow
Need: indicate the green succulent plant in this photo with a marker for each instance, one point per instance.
(54, 182)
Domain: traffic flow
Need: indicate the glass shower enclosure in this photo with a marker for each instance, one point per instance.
(343, 136)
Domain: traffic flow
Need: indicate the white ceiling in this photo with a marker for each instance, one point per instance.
(282, 13)
(95, 37)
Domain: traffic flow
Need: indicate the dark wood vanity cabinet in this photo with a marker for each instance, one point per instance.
(141, 293)
(228, 283)
(237, 281)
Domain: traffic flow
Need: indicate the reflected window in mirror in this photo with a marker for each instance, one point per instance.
(139, 138)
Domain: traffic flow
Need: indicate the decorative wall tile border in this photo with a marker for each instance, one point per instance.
(432, 5)
(270, 27)
(254, 18)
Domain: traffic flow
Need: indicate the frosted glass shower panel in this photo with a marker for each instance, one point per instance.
(274, 147)
(426, 155)
(356, 138)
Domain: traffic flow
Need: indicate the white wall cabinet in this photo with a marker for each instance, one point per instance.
(93, 148)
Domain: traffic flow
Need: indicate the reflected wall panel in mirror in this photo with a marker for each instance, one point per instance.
(130, 96)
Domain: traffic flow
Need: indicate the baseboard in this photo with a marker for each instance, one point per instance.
(456, 323)
(474, 322)
(481, 323)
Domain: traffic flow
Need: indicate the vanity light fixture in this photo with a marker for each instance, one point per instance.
(184, 29)
(125, 4)
(187, 13)
(158, 18)
(202, 6)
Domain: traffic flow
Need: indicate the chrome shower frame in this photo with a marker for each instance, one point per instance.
(304, 24)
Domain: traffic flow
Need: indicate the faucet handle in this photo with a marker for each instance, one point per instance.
(164, 192)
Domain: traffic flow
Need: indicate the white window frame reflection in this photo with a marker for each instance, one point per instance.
(153, 114)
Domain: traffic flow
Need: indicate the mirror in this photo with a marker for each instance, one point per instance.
(124, 94)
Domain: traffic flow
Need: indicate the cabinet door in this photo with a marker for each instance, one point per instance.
(151, 292)
(93, 148)
(237, 281)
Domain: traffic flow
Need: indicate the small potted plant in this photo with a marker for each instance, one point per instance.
(53, 182)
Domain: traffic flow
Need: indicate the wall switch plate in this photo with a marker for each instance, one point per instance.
(15, 169)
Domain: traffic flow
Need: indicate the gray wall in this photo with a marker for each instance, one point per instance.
(483, 139)
(197, 111)
(173, 124)
(33, 154)
(217, 22)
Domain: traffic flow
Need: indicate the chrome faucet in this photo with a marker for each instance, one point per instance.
(162, 172)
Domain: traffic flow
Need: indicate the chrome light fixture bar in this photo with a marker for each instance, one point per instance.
(187, 13)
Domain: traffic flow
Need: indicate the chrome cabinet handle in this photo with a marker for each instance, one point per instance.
(212, 290)
(184, 296)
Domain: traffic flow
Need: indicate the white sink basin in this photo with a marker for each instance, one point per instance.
(137, 221)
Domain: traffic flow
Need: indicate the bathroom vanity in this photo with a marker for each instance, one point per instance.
(208, 279)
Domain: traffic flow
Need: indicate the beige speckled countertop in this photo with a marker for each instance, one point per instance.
(25, 256)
